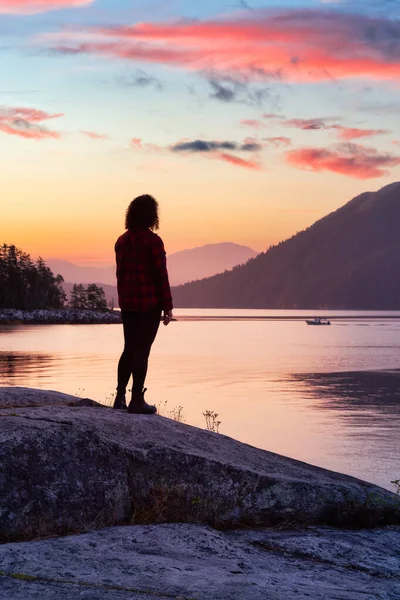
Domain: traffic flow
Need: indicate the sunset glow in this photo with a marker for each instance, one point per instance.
(247, 123)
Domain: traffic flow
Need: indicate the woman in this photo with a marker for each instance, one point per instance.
(143, 294)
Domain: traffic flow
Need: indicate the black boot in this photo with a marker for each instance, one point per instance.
(139, 406)
(120, 401)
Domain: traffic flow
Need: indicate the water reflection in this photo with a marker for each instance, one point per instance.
(14, 364)
(360, 398)
(345, 418)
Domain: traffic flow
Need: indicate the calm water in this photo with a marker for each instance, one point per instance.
(327, 395)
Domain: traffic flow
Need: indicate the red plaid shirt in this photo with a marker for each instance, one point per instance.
(142, 271)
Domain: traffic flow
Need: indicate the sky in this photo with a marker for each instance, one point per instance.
(248, 121)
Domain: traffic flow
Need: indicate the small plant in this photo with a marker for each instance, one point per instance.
(177, 414)
(79, 392)
(109, 400)
(162, 408)
(212, 424)
(396, 483)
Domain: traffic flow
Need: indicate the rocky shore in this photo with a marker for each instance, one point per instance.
(159, 509)
(62, 316)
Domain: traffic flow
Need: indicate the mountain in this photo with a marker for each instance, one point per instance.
(206, 261)
(183, 266)
(350, 259)
(77, 274)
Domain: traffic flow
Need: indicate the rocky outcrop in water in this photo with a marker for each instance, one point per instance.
(62, 316)
(68, 468)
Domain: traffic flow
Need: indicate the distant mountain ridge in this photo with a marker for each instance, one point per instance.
(78, 274)
(349, 259)
(205, 261)
(183, 266)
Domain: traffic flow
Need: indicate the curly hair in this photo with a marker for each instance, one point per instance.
(142, 213)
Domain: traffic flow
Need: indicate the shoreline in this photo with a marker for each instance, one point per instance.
(72, 316)
(63, 316)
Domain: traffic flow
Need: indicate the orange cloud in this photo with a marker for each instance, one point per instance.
(94, 136)
(239, 162)
(29, 7)
(300, 45)
(352, 160)
(24, 122)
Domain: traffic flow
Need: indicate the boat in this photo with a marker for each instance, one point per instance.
(318, 321)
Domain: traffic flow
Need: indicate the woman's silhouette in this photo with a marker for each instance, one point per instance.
(143, 294)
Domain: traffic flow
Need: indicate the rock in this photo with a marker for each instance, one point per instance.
(18, 397)
(61, 316)
(64, 469)
(181, 561)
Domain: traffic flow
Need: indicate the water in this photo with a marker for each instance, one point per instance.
(329, 396)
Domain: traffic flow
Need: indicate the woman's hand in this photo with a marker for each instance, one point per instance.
(167, 317)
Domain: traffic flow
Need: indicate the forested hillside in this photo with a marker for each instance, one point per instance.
(350, 259)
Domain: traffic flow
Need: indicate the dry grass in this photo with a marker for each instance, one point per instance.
(212, 423)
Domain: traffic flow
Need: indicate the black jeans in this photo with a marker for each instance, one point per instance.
(140, 330)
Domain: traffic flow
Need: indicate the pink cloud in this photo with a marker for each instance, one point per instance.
(297, 45)
(273, 116)
(94, 136)
(308, 124)
(352, 160)
(252, 123)
(353, 133)
(29, 7)
(344, 133)
(239, 162)
(33, 115)
(137, 143)
(25, 122)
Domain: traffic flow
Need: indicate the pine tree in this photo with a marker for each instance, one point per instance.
(91, 297)
(25, 284)
(73, 301)
(96, 298)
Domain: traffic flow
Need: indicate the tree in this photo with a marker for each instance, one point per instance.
(96, 298)
(92, 297)
(78, 297)
(73, 301)
(25, 284)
